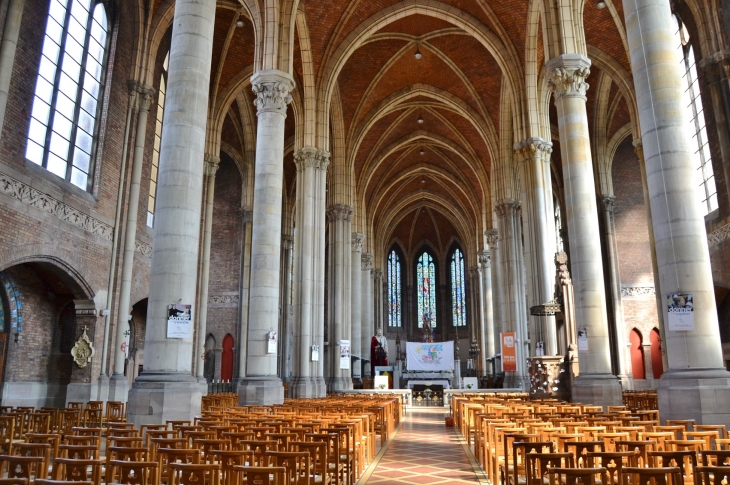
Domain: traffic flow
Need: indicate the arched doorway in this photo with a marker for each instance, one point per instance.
(209, 366)
(657, 365)
(227, 358)
(637, 355)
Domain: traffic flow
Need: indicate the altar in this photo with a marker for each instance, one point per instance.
(412, 382)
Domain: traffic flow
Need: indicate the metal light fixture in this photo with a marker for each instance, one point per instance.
(239, 23)
(420, 118)
(422, 152)
(423, 180)
(417, 54)
(601, 5)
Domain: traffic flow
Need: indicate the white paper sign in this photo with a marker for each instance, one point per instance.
(179, 321)
(344, 354)
(271, 346)
(680, 308)
(315, 353)
(582, 338)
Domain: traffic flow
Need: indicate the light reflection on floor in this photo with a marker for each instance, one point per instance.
(424, 451)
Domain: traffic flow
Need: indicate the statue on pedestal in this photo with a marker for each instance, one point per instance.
(378, 351)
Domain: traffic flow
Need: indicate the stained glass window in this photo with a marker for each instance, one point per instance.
(558, 225)
(156, 146)
(394, 294)
(70, 83)
(458, 295)
(426, 281)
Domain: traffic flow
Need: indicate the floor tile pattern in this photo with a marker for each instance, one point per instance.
(424, 451)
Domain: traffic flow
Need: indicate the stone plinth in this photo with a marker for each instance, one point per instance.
(702, 395)
(159, 397)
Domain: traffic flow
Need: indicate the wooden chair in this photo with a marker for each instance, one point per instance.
(687, 423)
(580, 450)
(134, 472)
(720, 428)
(659, 437)
(334, 465)
(27, 467)
(652, 476)
(259, 448)
(642, 448)
(686, 461)
(575, 476)
(713, 475)
(42, 450)
(7, 430)
(538, 465)
(261, 475)
(716, 458)
(167, 456)
(318, 455)
(192, 474)
(227, 459)
(708, 437)
(115, 411)
(48, 481)
(297, 465)
(77, 470)
(612, 461)
(78, 452)
(39, 423)
(518, 463)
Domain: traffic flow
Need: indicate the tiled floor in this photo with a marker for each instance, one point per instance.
(424, 451)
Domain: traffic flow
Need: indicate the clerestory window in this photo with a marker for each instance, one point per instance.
(458, 295)
(394, 290)
(155, 170)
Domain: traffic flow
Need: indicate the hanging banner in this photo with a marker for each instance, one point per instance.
(680, 309)
(179, 321)
(582, 338)
(344, 354)
(435, 356)
(509, 352)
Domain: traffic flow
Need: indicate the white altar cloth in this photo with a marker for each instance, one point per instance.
(437, 382)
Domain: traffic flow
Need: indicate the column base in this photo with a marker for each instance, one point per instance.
(321, 386)
(159, 397)
(598, 389)
(303, 387)
(118, 388)
(260, 390)
(514, 381)
(699, 394)
(336, 384)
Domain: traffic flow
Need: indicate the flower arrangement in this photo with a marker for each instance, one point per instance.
(381, 386)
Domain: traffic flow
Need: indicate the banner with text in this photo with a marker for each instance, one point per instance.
(430, 356)
(509, 352)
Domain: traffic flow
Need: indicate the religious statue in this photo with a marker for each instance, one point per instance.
(427, 328)
(378, 351)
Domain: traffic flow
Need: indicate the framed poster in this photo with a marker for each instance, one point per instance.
(344, 354)
(582, 338)
(315, 353)
(509, 352)
(179, 321)
(271, 343)
(680, 310)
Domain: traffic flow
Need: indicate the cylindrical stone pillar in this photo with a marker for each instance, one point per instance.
(320, 192)
(497, 290)
(566, 79)
(340, 217)
(166, 379)
(696, 385)
(11, 31)
(211, 167)
(261, 384)
(356, 305)
(245, 265)
(487, 330)
(366, 329)
(119, 385)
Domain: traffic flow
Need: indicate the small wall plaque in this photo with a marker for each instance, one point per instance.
(83, 351)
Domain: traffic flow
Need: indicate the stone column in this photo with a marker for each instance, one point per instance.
(497, 289)
(245, 288)
(166, 390)
(261, 385)
(609, 234)
(211, 167)
(320, 193)
(340, 217)
(356, 304)
(367, 326)
(378, 297)
(514, 316)
(285, 330)
(696, 386)
(486, 302)
(596, 384)
(118, 384)
(534, 162)
(11, 31)
(306, 274)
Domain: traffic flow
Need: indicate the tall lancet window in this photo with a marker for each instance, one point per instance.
(426, 282)
(394, 290)
(695, 118)
(558, 225)
(62, 135)
(154, 170)
(458, 295)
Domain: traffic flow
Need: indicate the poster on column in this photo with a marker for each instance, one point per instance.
(179, 321)
(430, 356)
(344, 354)
(582, 338)
(509, 352)
(680, 308)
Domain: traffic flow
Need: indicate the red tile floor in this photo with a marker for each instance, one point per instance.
(424, 451)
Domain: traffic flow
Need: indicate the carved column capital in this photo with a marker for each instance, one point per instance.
(567, 75)
(142, 94)
(339, 212)
(310, 157)
(507, 206)
(287, 241)
(492, 238)
(358, 239)
(211, 164)
(247, 214)
(366, 261)
(273, 91)
(608, 202)
(533, 148)
(639, 148)
(378, 274)
(485, 258)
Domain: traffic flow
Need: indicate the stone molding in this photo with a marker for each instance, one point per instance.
(377, 274)
(638, 292)
(211, 165)
(340, 212)
(718, 235)
(567, 76)
(608, 202)
(223, 299)
(358, 239)
(508, 206)
(366, 261)
(273, 91)
(246, 215)
(492, 238)
(485, 258)
(49, 205)
(534, 147)
(143, 248)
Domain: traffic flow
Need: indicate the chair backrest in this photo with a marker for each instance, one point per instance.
(575, 476)
(712, 475)
(195, 474)
(716, 458)
(720, 428)
(317, 454)
(297, 465)
(612, 461)
(685, 460)
(652, 476)
(227, 460)
(78, 452)
(77, 470)
(581, 448)
(538, 465)
(134, 472)
(258, 475)
(519, 451)
(29, 467)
